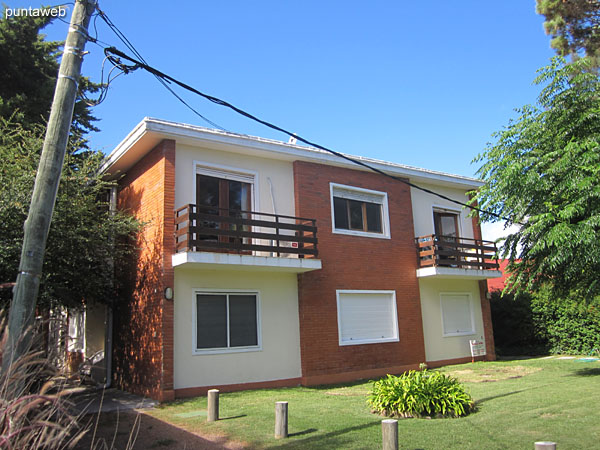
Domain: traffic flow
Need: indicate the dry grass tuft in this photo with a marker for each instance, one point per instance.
(493, 373)
(35, 412)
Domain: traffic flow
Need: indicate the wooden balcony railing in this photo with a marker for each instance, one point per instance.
(210, 229)
(448, 251)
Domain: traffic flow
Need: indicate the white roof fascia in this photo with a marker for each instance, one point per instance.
(194, 135)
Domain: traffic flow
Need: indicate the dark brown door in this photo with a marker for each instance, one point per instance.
(446, 231)
(221, 198)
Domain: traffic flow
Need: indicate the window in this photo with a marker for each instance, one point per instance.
(367, 317)
(360, 212)
(446, 224)
(457, 314)
(226, 321)
(220, 197)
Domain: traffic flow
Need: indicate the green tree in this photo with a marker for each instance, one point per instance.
(574, 26)
(83, 236)
(28, 70)
(543, 173)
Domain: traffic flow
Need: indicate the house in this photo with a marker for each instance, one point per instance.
(498, 284)
(266, 264)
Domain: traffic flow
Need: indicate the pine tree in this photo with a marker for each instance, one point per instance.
(28, 70)
(574, 26)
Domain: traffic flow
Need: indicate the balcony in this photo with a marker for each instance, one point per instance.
(451, 257)
(244, 240)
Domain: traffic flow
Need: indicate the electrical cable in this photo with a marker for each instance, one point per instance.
(131, 47)
(111, 51)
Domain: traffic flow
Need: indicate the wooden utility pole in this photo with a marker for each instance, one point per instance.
(22, 307)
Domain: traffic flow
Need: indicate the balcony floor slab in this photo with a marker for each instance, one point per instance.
(219, 261)
(457, 273)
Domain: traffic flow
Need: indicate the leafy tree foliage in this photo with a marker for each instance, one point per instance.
(574, 26)
(543, 172)
(83, 236)
(28, 69)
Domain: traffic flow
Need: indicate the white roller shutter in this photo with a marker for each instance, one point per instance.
(366, 317)
(457, 316)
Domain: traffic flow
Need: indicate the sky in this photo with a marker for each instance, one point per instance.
(419, 83)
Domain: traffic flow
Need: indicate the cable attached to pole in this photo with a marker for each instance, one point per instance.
(114, 54)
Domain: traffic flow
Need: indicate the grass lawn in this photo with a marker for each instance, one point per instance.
(519, 402)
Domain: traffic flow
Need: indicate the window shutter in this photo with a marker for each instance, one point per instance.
(456, 314)
(367, 317)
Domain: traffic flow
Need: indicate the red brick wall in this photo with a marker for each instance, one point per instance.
(143, 323)
(352, 262)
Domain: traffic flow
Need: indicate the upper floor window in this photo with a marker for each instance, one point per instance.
(359, 211)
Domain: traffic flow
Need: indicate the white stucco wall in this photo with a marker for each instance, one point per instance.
(280, 355)
(423, 205)
(279, 172)
(438, 347)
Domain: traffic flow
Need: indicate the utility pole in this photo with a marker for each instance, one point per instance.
(22, 307)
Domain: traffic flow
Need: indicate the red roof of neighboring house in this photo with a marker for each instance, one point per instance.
(497, 284)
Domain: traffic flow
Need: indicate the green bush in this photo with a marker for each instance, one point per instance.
(420, 394)
(569, 325)
(517, 331)
(538, 323)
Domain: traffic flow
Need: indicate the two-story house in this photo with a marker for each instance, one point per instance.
(264, 263)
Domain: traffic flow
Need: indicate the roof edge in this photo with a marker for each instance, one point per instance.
(177, 130)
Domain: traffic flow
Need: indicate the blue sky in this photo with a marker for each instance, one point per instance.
(419, 83)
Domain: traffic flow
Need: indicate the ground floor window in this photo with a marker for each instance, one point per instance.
(457, 314)
(226, 321)
(366, 317)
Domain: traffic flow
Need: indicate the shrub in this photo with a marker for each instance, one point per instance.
(533, 324)
(419, 394)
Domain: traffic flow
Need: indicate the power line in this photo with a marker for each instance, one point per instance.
(111, 51)
(132, 48)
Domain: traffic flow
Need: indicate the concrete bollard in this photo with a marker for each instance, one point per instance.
(389, 432)
(281, 420)
(545, 445)
(213, 405)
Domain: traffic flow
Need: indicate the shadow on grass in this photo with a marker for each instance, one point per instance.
(118, 428)
(301, 433)
(508, 358)
(328, 387)
(334, 439)
(587, 372)
(233, 417)
(494, 397)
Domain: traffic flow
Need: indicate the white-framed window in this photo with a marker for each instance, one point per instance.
(366, 317)
(457, 314)
(226, 321)
(359, 212)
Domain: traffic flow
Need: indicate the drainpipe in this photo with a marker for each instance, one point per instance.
(273, 204)
(108, 341)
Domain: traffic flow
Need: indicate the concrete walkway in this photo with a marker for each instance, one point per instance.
(92, 400)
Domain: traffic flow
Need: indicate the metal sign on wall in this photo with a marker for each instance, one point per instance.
(477, 348)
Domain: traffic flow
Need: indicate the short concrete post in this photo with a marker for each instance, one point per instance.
(281, 420)
(545, 445)
(389, 432)
(213, 405)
